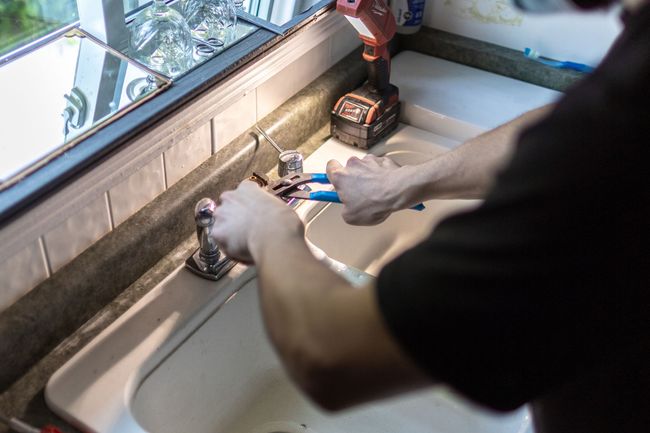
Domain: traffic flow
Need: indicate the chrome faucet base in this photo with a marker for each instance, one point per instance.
(209, 271)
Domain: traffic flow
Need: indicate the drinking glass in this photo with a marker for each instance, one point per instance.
(161, 39)
(213, 21)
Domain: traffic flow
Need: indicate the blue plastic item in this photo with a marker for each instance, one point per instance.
(332, 196)
(534, 55)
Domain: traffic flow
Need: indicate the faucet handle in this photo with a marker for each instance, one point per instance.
(207, 261)
(289, 162)
(204, 212)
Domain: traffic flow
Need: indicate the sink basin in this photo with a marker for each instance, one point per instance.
(227, 379)
(193, 356)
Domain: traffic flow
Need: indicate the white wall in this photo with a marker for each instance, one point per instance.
(33, 247)
(581, 37)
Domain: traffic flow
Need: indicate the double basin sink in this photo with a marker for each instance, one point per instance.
(193, 355)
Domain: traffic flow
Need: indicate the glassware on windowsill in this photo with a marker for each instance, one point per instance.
(214, 21)
(161, 39)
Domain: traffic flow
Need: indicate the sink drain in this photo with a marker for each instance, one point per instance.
(283, 427)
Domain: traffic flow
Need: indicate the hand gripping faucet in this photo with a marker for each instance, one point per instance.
(207, 261)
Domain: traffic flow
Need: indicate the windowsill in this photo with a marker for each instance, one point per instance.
(59, 172)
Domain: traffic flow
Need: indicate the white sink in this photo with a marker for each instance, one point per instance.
(193, 356)
(226, 379)
(370, 248)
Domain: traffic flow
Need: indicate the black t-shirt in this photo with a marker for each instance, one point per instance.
(550, 276)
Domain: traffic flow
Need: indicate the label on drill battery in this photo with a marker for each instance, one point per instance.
(351, 111)
(377, 129)
(408, 12)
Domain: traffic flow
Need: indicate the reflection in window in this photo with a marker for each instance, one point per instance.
(24, 21)
(131, 5)
(278, 12)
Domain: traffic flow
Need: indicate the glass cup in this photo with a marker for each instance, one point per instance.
(161, 39)
(211, 21)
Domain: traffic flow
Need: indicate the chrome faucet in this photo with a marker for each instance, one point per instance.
(207, 261)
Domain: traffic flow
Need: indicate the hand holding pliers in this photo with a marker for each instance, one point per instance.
(288, 186)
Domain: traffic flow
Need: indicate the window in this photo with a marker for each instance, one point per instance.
(70, 85)
(24, 21)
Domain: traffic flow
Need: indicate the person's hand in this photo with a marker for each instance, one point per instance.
(248, 217)
(369, 188)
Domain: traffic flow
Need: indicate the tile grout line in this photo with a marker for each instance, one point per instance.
(213, 137)
(109, 208)
(163, 161)
(45, 256)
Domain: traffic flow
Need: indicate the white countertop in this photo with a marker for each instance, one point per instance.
(458, 101)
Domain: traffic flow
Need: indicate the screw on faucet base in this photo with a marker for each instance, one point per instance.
(209, 271)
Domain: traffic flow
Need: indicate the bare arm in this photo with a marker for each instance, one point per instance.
(374, 187)
(330, 336)
(469, 170)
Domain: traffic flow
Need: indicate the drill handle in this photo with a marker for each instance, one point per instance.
(378, 59)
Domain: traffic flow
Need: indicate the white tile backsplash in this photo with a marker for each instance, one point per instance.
(29, 267)
(139, 189)
(73, 236)
(289, 81)
(343, 42)
(234, 120)
(578, 36)
(188, 154)
(21, 273)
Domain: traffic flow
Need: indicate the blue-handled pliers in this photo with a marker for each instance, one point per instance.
(288, 186)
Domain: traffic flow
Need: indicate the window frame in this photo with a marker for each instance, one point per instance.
(21, 196)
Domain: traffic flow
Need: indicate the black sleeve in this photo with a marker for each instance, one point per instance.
(545, 278)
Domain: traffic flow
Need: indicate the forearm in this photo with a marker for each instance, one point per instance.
(296, 293)
(295, 290)
(468, 171)
(330, 336)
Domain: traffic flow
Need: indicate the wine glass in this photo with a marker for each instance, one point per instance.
(161, 39)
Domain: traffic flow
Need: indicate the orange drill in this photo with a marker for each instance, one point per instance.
(366, 115)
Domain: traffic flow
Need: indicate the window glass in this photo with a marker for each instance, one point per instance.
(276, 11)
(131, 5)
(85, 85)
(23, 21)
(250, 6)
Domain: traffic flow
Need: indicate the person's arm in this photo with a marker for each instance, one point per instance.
(372, 188)
(329, 335)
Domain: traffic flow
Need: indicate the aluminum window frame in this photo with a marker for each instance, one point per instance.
(22, 196)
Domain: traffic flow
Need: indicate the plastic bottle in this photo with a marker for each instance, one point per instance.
(409, 15)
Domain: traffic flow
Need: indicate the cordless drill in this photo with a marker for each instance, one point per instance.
(366, 115)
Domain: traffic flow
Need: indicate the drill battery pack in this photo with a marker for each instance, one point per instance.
(362, 118)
